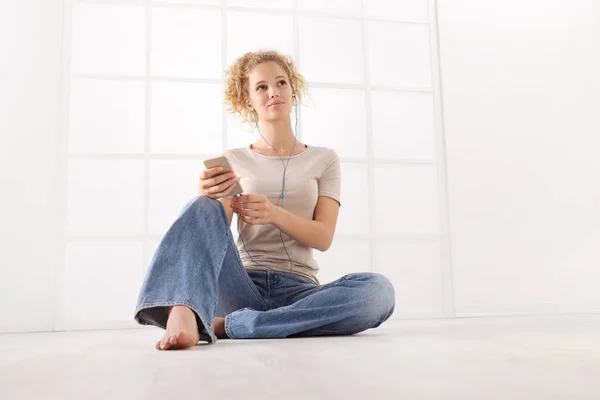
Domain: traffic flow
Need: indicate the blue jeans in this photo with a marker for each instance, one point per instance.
(197, 264)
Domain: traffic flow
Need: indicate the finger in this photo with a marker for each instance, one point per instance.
(247, 220)
(206, 184)
(222, 186)
(253, 221)
(220, 179)
(245, 198)
(252, 213)
(248, 206)
(227, 190)
(210, 172)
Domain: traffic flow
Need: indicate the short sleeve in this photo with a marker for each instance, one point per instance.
(330, 182)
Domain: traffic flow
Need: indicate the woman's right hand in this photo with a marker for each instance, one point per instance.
(214, 185)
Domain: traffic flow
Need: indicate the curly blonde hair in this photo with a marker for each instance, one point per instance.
(236, 91)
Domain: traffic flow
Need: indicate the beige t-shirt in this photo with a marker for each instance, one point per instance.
(314, 172)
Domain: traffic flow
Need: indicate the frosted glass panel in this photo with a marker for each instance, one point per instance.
(332, 6)
(409, 63)
(186, 43)
(354, 212)
(105, 197)
(336, 118)
(108, 39)
(406, 10)
(406, 199)
(403, 125)
(346, 255)
(91, 101)
(201, 2)
(415, 271)
(172, 185)
(100, 284)
(276, 4)
(152, 246)
(331, 50)
(186, 118)
(278, 34)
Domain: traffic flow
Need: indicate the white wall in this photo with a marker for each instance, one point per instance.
(107, 148)
(521, 84)
(30, 60)
(95, 160)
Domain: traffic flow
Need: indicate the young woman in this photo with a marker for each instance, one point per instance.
(201, 285)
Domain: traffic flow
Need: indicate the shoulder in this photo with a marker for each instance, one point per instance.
(236, 152)
(326, 153)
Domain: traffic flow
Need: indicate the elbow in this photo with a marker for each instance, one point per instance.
(326, 244)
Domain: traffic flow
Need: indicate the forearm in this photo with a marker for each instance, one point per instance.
(310, 233)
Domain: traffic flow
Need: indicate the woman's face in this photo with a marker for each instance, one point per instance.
(270, 91)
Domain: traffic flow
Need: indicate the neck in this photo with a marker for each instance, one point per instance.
(278, 134)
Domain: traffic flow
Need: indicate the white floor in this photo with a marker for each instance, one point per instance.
(543, 357)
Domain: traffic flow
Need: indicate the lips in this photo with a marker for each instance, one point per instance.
(276, 103)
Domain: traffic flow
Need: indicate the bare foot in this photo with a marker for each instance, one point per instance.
(182, 330)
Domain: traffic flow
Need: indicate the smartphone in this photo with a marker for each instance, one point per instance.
(222, 162)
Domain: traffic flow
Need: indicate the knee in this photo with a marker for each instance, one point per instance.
(385, 299)
(379, 297)
(201, 204)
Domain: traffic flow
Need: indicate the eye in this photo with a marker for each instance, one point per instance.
(261, 86)
(284, 82)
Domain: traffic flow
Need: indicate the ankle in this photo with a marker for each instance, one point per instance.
(219, 327)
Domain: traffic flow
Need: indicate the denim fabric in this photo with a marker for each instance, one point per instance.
(197, 264)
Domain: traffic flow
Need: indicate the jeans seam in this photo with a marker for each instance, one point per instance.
(228, 326)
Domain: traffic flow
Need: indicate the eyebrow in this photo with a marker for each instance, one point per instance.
(277, 77)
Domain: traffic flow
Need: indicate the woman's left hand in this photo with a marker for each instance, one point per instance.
(254, 209)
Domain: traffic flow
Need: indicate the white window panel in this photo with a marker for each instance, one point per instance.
(404, 10)
(275, 4)
(415, 270)
(331, 6)
(105, 197)
(172, 185)
(108, 39)
(107, 116)
(403, 125)
(200, 2)
(185, 118)
(354, 212)
(336, 118)
(399, 54)
(267, 32)
(152, 246)
(406, 199)
(100, 284)
(186, 43)
(331, 50)
(345, 256)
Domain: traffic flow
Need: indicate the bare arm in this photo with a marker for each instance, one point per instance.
(316, 233)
